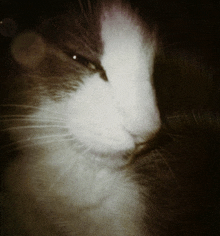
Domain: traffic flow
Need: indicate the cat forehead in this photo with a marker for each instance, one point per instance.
(80, 26)
(77, 28)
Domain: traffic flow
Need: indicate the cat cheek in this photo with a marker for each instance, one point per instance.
(28, 49)
(94, 119)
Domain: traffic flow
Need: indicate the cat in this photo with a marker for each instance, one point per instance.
(82, 101)
(83, 137)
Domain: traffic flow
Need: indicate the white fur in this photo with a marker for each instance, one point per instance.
(75, 181)
(123, 111)
(128, 59)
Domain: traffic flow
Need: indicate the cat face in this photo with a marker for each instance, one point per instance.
(86, 81)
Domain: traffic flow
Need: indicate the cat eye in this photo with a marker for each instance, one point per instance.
(96, 68)
(84, 62)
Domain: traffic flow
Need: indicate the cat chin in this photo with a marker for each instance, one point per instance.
(106, 146)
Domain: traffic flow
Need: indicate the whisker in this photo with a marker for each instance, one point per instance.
(21, 147)
(36, 138)
(28, 106)
(32, 119)
(34, 127)
(170, 170)
(30, 116)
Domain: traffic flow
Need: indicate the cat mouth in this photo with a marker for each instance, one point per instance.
(114, 144)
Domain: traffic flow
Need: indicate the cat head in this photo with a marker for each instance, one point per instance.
(85, 77)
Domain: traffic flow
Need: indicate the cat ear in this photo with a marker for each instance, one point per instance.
(28, 49)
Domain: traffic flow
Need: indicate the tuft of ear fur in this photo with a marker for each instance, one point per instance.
(28, 49)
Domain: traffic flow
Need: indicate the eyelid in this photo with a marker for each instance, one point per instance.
(82, 60)
(89, 64)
